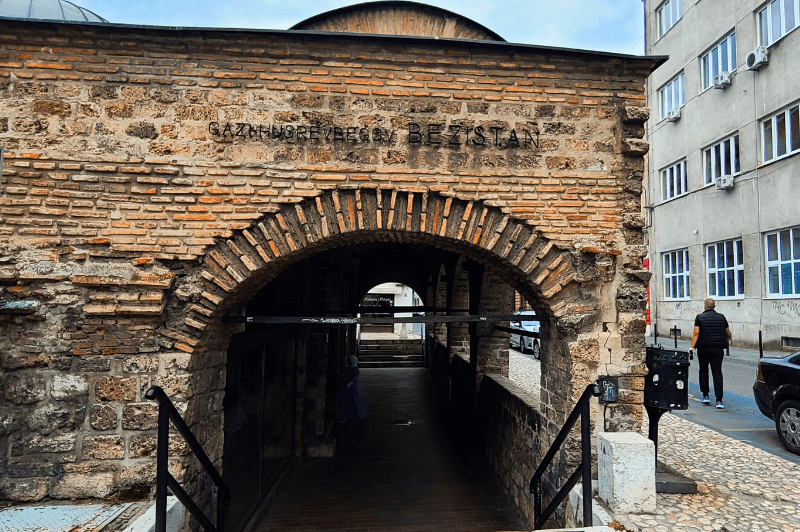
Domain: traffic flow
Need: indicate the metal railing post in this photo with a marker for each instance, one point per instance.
(162, 468)
(584, 471)
(165, 481)
(586, 462)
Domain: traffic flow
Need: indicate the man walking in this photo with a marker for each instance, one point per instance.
(711, 337)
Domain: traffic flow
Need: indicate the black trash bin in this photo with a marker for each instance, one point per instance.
(667, 383)
(666, 386)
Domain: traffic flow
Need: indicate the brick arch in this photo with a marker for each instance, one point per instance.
(236, 268)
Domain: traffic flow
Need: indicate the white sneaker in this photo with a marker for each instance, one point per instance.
(705, 400)
(720, 405)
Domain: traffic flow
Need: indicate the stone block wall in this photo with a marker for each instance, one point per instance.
(510, 423)
(159, 145)
(155, 179)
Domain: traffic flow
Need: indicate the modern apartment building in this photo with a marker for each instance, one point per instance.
(722, 198)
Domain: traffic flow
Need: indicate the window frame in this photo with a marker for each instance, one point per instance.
(677, 83)
(764, 21)
(716, 270)
(671, 278)
(793, 262)
(662, 9)
(791, 117)
(712, 151)
(707, 66)
(682, 180)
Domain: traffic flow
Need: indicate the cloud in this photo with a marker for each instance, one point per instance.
(611, 25)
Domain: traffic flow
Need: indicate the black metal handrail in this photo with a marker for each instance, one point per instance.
(584, 470)
(164, 479)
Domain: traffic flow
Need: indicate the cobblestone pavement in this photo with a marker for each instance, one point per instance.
(742, 488)
(525, 371)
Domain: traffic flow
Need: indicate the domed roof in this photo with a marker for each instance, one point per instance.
(396, 17)
(47, 10)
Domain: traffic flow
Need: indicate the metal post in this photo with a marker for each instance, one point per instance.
(675, 332)
(586, 462)
(162, 450)
(222, 496)
(760, 345)
(654, 414)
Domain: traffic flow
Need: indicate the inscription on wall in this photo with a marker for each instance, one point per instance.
(453, 135)
(789, 308)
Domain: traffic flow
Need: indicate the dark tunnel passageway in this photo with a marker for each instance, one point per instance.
(287, 460)
(395, 470)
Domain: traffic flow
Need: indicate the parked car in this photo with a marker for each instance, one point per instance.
(526, 343)
(777, 394)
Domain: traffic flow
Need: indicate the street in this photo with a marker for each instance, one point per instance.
(740, 419)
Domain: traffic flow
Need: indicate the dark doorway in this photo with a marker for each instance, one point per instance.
(259, 409)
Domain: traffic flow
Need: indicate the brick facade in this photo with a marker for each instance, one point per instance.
(155, 179)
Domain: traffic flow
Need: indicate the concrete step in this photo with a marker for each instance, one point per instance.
(398, 352)
(389, 358)
(393, 345)
(392, 364)
(588, 529)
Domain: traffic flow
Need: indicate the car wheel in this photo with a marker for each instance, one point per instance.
(787, 423)
(537, 350)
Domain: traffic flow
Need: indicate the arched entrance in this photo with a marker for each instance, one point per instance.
(318, 258)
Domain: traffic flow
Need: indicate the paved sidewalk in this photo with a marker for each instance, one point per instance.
(743, 489)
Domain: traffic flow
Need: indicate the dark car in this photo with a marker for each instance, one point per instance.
(777, 394)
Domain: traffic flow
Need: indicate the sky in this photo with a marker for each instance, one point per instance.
(607, 25)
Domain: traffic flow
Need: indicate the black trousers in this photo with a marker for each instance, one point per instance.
(711, 356)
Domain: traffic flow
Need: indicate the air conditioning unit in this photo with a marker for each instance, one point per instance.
(757, 58)
(725, 182)
(722, 81)
(674, 115)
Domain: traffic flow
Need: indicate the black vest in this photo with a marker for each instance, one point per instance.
(712, 330)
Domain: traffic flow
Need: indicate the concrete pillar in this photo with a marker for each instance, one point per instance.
(626, 472)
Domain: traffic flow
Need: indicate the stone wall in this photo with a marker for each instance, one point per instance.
(510, 423)
(155, 180)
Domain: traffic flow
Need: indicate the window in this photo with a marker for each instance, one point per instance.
(721, 159)
(676, 274)
(671, 96)
(780, 134)
(783, 262)
(667, 15)
(721, 58)
(725, 262)
(778, 18)
(673, 181)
